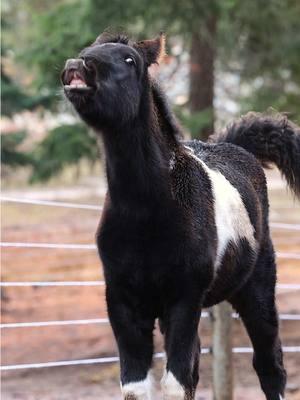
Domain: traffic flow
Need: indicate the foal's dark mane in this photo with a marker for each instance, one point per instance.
(110, 37)
(168, 121)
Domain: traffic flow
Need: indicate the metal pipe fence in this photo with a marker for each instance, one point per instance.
(102, 321)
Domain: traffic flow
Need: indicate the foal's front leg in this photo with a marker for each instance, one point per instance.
(183, 349)
(133, 333)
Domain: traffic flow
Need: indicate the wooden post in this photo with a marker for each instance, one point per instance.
(202, 58)
(222, 352)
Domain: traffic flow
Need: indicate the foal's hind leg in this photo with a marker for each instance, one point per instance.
(255, 303)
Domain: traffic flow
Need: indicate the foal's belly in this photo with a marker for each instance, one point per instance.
(236, 267)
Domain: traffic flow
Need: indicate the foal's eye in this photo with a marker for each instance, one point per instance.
(129, 60)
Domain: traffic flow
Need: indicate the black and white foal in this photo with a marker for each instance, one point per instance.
(185, 224)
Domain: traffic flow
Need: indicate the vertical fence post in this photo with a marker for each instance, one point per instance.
(222, 352)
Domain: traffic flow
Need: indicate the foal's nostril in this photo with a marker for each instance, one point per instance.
(74, 63)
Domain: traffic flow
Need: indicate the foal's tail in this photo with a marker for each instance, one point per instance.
(271, 140)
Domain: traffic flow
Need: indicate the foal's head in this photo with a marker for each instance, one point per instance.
(108, 79)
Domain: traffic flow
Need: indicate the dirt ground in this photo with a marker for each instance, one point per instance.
(26, 223)
(97, 382)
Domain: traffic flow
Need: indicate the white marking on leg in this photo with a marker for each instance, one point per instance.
(231, 217)
(172, 389)
(141, 390)
(280, 397)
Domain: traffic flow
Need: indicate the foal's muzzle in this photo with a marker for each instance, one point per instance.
(76, 76)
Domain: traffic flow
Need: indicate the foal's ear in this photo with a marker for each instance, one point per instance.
(153, 51)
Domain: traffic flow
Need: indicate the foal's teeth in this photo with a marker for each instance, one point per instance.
(77, 82)
(81, 87)
(78, 85)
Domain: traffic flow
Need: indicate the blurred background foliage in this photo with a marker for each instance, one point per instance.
(69, 143)
(256, 43)
(10, 155)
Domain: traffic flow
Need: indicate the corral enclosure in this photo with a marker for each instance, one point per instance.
(92, 337)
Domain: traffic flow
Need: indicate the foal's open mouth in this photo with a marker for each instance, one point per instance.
(74, 81)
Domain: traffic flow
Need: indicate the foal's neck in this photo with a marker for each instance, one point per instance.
(137, 162)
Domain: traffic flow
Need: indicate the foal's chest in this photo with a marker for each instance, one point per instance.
(152, 246)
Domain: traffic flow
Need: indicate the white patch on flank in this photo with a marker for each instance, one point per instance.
(280, 397)
(231, 217)
(141, 390)
(172, 390)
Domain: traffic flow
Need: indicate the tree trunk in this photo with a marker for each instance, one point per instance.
(222, 352)
(201, 94)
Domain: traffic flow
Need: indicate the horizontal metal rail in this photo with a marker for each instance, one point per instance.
(51, 203)
(67, 246)
(53, 283)
(290, 256)
(99, 208)
(283, 317)
(104, 360)
(73, 246)
(63, 204)
(288, 286)
(291, 227)
(283, 286)
(54, 323)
